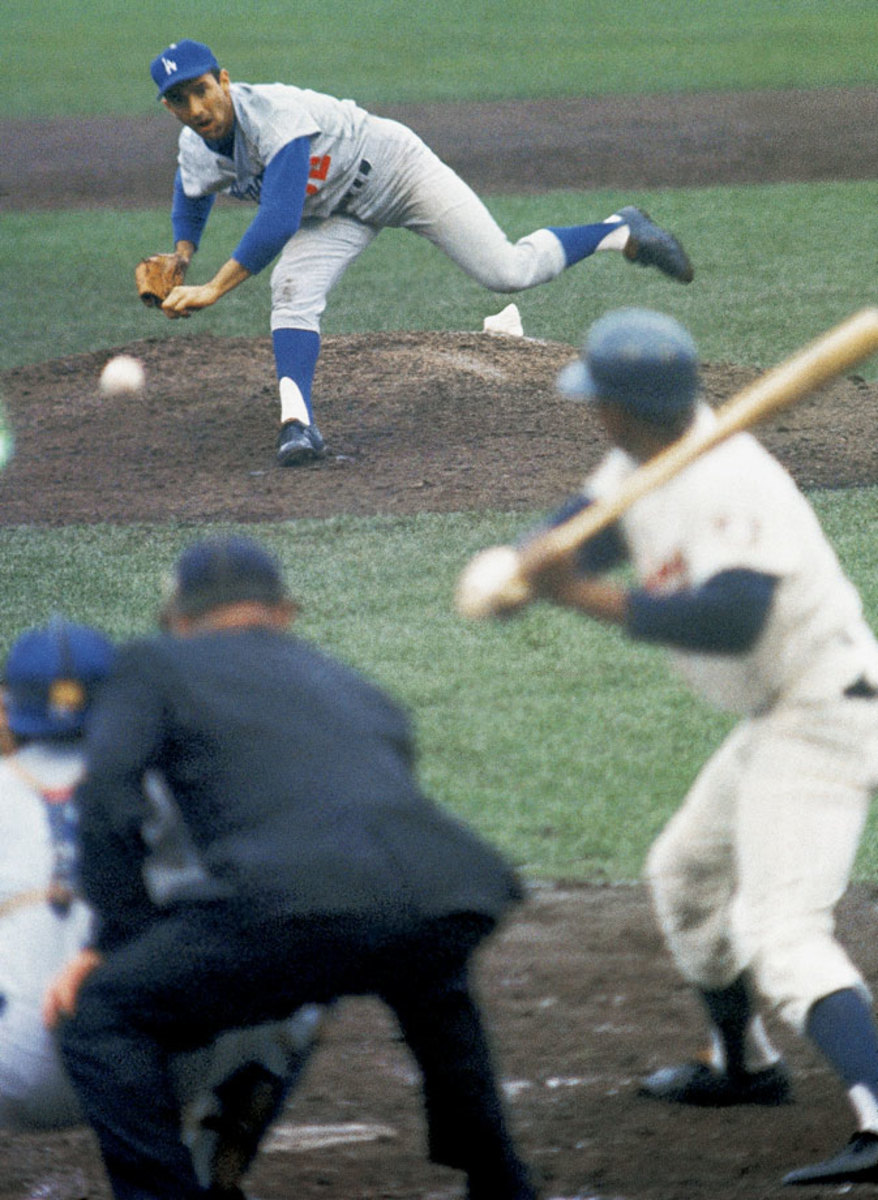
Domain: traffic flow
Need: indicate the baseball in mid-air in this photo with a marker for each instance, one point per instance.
(122, 376)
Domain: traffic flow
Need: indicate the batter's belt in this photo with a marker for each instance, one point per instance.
(861, 689)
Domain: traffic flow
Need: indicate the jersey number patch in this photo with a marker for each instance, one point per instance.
(319, 171)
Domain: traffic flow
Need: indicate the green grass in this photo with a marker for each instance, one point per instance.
(566, 744)
(766, 282)
(93, 57)
(563, 742)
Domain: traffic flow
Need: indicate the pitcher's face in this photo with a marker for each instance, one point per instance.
(204, 104)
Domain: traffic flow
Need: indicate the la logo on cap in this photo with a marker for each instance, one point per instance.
(179, 62)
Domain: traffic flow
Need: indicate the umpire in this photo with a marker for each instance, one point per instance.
(325, 872)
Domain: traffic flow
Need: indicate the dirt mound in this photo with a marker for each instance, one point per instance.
(414, 421)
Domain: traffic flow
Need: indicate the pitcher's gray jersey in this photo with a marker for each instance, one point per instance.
(343, 138)
(269, 116)
(328, 176)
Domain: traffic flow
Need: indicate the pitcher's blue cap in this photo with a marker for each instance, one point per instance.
(181, 61)
(644, 361)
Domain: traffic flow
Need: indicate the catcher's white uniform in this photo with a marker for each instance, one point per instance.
(35, 940)
(37, 937)
(747, 873)
(367, 173)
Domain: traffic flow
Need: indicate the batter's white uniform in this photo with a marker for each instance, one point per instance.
(367, 173)
(747, 873)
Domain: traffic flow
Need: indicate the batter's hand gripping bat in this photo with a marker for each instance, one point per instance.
(497, 580)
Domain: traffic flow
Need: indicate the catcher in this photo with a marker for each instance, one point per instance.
(327, 177)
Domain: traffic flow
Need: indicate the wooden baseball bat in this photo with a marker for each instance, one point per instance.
(499, 577)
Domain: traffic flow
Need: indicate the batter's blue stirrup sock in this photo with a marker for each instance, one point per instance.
(295, 355)
(842, 1026)
(579, 241)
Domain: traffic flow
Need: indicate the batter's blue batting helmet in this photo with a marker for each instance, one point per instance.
(181, 61)
(644, 361)
(50, 677)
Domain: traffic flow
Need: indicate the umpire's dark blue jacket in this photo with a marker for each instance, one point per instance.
(294, 777)
(312, 867)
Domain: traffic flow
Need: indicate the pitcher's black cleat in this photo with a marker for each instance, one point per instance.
(298, 443)
(651, 246)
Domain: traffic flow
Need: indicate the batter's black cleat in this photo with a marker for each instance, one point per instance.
(298, 443)
(651, 246)
(856, 1163)
(703, 1086)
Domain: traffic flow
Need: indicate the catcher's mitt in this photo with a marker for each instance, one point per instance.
(156, 277)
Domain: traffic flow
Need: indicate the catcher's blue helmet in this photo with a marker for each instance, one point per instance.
(50, 677)
(644, 361)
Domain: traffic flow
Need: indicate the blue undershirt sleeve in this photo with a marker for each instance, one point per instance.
(602, 552)
(725, 615)
(281, 201)
(189, 215)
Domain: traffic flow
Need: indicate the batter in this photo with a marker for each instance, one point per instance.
(735, 576)
(327, 177)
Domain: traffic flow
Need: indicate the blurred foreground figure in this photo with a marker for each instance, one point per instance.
(322, 871)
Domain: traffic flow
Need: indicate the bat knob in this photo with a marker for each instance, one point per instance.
(491, 584)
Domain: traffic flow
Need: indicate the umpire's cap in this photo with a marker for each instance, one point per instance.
(50, 678)
(224, 570)
(644, 361)
(180, 62)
